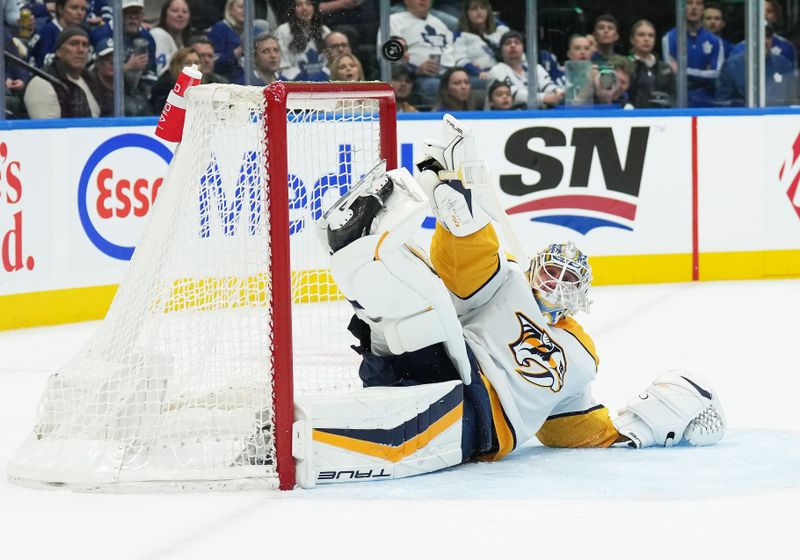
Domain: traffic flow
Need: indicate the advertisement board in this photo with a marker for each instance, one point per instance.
(651, 198)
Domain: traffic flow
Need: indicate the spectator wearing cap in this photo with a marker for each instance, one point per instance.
(704, 55)
(138, 44)
(403, 86)
(780, 81)
(514, 70)
(102, 70)
(71, 92)
(43, 44)
(430, 46)
(137, 96)
(266, 60)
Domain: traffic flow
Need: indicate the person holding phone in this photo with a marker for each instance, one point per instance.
(139, 45)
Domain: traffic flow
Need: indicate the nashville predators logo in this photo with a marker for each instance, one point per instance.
(541, 360)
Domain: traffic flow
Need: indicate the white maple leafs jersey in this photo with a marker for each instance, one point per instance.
(308, 65)
(425, 37)
(537, 371)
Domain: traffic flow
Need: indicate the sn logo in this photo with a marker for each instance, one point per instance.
(585, 141)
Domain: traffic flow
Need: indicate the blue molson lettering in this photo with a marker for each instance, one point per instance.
(212, 193)
(211, 188)
(298, 192)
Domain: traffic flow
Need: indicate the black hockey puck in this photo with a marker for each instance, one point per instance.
(393, 50)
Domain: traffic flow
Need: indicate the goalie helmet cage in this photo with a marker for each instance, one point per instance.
(227, 309)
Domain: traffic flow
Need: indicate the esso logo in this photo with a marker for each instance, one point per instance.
(117, 189)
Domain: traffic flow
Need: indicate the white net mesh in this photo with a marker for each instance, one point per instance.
(176, 385)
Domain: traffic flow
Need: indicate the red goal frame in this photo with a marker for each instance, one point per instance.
(275, 100)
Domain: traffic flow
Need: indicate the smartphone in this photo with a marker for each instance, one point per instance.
(140, 46)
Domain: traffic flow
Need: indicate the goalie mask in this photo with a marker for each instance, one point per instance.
(560, 277)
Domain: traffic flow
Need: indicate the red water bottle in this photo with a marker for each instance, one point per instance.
(170, 124)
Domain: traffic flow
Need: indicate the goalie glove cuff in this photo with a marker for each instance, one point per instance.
(637, 431)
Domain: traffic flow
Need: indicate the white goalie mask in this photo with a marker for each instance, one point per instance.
(560, 277)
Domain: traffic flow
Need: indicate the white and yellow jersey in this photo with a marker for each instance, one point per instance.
(538, 375)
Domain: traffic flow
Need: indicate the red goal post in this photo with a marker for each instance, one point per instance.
(276, 96)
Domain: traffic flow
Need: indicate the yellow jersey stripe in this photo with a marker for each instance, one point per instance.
(391, 453)
(573, 327)
(465, 264)
(588, 428)
(506, 439)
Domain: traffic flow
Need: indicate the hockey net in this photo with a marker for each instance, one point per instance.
(227, 308)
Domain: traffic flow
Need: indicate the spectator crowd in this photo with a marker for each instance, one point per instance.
(459, 55)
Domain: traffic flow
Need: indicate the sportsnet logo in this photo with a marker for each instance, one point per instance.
(789, 175)
(585, 202)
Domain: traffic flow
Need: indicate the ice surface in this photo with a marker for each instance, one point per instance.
(736, 500)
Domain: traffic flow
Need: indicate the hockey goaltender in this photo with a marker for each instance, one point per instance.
(467, 353)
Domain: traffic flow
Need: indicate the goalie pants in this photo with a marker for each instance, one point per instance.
(431, 365)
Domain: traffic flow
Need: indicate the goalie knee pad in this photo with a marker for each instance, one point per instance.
(677, 407)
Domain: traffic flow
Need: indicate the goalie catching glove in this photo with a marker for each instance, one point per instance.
(677, 407)
(456, 181)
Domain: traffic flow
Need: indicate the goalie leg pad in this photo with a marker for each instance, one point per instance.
(677, 407)
(396, 292)
(378, 433)
(399, 296)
